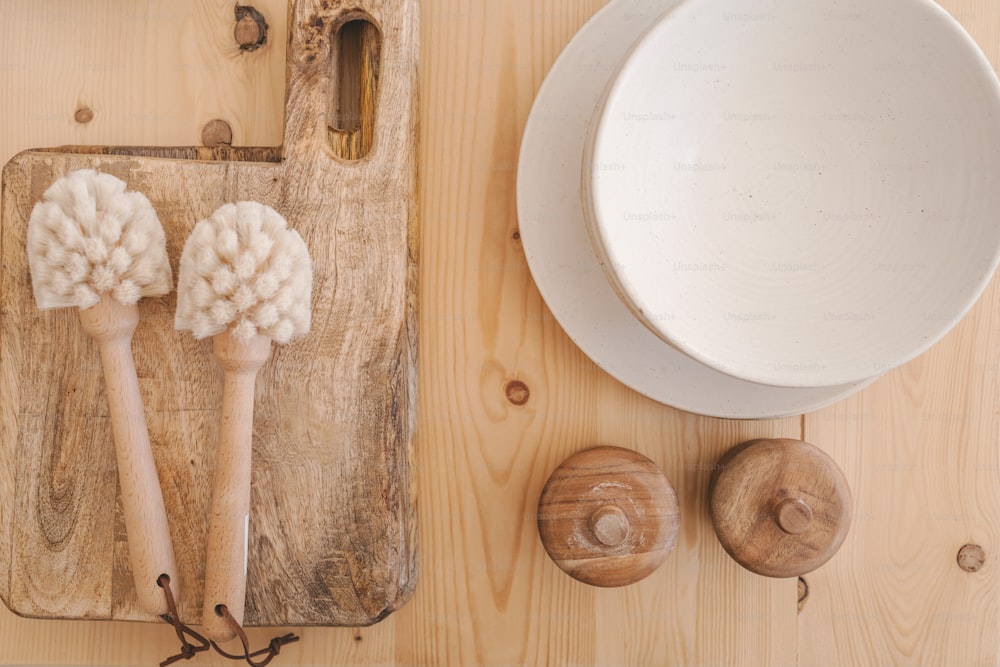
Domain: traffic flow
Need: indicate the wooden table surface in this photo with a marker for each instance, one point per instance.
(919, 447)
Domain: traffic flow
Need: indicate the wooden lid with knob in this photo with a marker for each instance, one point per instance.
(781, 508)
(608, 516)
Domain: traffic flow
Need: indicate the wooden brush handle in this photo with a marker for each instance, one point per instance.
(229, 520)
(151, 553)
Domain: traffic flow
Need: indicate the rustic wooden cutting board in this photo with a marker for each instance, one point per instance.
(332, 534)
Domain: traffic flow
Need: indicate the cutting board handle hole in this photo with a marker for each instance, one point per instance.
(356, 51)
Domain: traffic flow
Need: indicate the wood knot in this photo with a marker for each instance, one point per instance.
(610, 525)
(83, 115)
(517, 392)
(803, 593)
(251, 28)
(313, 35)
(216, 133)
(971, 558)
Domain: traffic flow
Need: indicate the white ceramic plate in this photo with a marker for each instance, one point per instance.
(801, 193)
(561, 257)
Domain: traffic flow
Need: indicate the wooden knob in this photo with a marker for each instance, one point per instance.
(608, 516)
(609, 524)
(781, 508)
(794, 516)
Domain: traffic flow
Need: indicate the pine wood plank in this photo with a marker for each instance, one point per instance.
(919, 448)
(152, 72)
(493, 597)
(476, 462)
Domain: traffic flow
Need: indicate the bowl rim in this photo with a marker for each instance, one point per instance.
(825, 375)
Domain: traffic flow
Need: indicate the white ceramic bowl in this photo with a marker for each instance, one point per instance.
(799, 193)
(562, 259)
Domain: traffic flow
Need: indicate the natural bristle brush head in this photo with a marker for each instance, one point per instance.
(244, 269)
(89, 236)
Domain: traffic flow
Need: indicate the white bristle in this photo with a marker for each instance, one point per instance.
(89, 236)
(83, 296)
(245, 266)
(246, 329)
(110, 232)
(283, 329)
(224, 281)
(103, 279)
(106, 192)
(244, 269)
(243, 298)
(143, 269)
(56, 254)
(61, 283)
(283, 299)
(133, 240)
(222, 312)
(65, 230)
(266, 286)
(119, 260)
(227, 244)
(282, 269)
(127, 292)
(203, 326)
(201, 295)
(266, 315)
(75, 268)
(207, 256)
(260, 245)
(95, 249)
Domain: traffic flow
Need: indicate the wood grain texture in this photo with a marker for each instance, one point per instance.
(780, 507)
(226, 543)
(111, 326)
(488, 594)
(148, 70)
(494, 598)
(919, 449)
(332, 535)
(608, 516)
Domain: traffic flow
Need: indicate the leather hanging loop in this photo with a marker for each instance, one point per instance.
(272, 650)
(188, 650)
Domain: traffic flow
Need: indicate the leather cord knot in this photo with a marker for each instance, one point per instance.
(188, 650)
(273, 647)
(275, 644)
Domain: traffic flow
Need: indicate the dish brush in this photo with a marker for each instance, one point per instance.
(245, 279)
(96, 246)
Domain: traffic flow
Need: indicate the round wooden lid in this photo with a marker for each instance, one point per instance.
(608, 516)
(781, 508)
